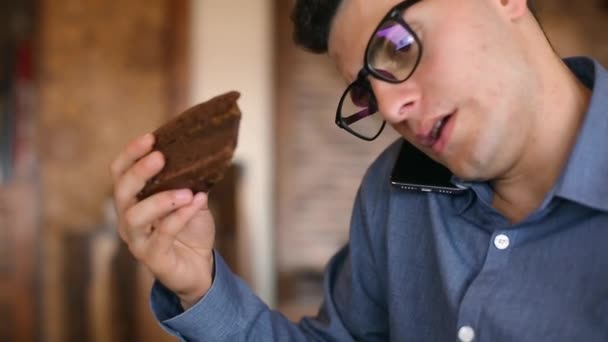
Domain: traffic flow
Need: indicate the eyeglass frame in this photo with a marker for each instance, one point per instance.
(394, 14)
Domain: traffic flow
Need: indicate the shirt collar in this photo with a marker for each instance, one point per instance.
(585, 177)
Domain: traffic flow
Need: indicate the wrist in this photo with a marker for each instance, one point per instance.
(187, 304)
(189, 298)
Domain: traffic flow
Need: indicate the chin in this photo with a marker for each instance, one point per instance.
(469, 171)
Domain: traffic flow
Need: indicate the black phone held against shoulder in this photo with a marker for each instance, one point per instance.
(415, 171)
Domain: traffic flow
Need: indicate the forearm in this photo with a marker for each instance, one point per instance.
(231, 311)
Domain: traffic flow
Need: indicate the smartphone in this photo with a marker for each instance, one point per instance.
(415, 171)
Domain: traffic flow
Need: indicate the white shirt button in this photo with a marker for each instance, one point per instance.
(466, 334)
(502, 242)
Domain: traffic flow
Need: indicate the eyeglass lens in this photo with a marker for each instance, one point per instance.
(359, 108)
(393, 51)
(392, 55)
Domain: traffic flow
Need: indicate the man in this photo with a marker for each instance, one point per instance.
(475, 85)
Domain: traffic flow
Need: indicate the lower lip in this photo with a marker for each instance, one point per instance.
(441, 143)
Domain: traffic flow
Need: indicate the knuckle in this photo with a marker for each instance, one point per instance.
(120, 197)
(117, 191)
(133, 146)
(127, 186)
(136, 172)
(142, 170)
(131, 218)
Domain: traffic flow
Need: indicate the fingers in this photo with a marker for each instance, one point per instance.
(154, 248)
(165, 233)
(133, 180)
(172, 224)
(139, 217)
(134, 151)
(157, 207)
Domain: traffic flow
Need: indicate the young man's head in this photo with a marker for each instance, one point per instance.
(457, 78)
(313, 18)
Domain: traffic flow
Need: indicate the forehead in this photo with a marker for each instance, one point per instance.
(351, 29)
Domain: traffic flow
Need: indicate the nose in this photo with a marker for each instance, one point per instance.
(397, 102)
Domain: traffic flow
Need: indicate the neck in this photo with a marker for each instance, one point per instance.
(561, 103)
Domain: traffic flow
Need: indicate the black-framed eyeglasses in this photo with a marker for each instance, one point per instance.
(392, 54)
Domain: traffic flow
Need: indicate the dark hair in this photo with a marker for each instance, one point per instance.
(312, 21)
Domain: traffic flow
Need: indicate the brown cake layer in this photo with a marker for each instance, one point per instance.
(198, 146)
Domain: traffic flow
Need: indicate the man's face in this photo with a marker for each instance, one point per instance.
(471, 82)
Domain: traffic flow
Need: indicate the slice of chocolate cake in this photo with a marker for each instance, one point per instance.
(198, 146)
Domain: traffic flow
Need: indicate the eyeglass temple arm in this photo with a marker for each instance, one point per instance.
(358, 116)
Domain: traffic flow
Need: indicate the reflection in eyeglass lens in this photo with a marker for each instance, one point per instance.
(393, 51)
(398, 35)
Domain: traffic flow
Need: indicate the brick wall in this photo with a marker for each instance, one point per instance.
(106, 76)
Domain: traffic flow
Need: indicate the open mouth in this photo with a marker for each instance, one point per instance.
(438, 128)
(441, 132)
(435, 133)
(437, 137)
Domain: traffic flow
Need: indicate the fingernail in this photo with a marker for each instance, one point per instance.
(198, 199)
(154, 159)
(148, 138)
(182, 195)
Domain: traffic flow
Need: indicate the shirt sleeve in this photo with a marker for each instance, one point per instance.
(354, 306)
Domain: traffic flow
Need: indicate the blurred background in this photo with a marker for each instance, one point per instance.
(80, 78)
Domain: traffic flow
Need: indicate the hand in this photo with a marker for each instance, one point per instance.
(172, 232)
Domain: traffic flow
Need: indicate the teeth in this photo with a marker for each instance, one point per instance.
(437, 128)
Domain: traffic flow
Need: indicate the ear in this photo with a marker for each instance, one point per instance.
(514, 9)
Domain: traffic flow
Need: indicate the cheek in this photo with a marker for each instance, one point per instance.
(406, 133)
(451, 76)
(488, 137)
(472, 139)
(464, 58)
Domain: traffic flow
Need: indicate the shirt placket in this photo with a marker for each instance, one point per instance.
(486, 283)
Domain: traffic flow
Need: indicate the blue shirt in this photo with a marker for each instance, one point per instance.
(432, 267)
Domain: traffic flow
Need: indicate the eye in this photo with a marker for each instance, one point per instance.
(360, 95)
